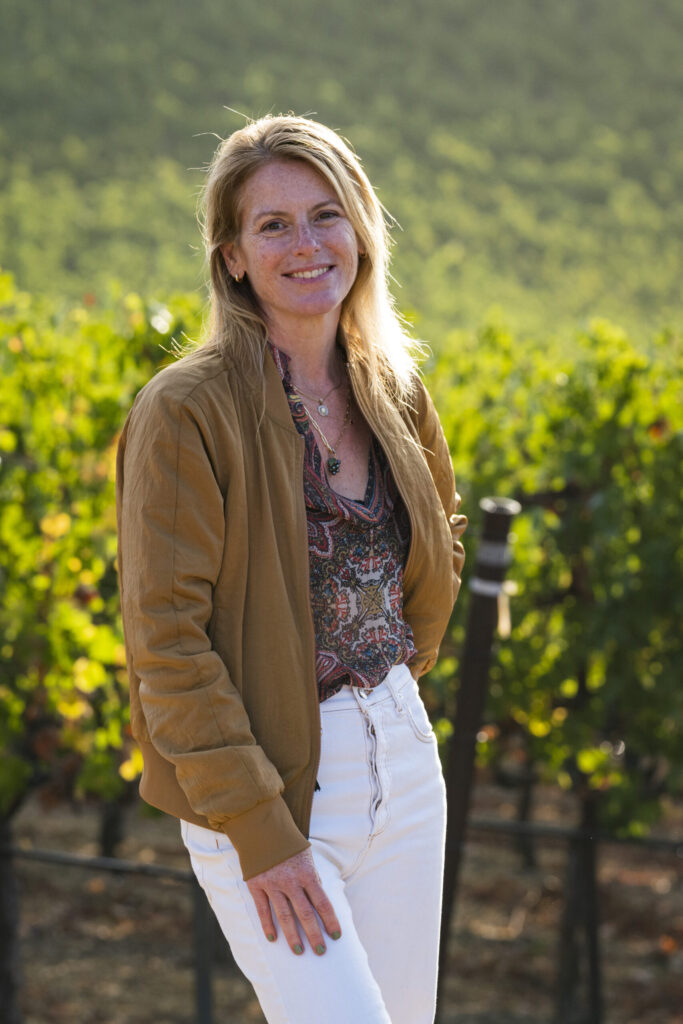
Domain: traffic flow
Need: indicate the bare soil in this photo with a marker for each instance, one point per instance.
(99, 948)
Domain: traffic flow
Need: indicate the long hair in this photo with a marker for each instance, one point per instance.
(373, 332)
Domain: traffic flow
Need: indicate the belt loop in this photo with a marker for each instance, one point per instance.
(394, 691)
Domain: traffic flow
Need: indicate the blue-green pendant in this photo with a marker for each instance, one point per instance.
(333, 466)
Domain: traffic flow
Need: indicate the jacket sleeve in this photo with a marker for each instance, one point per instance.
(435, 448)
(171, 523)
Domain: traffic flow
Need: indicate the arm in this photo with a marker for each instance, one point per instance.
(171, 536)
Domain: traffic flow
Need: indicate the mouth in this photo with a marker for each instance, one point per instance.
(309, 275)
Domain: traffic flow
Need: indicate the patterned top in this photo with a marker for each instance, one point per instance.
(357, 552)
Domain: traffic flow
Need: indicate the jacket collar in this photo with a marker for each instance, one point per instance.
(277, 403)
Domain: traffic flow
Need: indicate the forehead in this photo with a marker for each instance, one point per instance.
(284, 184)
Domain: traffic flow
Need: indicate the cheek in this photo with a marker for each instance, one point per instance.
(263, 264)
(351, 245)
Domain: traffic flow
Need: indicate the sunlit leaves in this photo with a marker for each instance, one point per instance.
(587, 432)
(69, 377)
(132, 767)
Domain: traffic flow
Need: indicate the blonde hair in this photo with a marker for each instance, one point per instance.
(375, 338)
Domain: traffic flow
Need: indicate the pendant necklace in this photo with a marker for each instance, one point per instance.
(323, 407)
(333, 463)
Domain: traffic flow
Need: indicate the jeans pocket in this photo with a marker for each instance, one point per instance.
(194, 850)
(198, 840)
(211, 854)
(417, 715)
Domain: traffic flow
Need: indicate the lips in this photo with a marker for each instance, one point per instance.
(310, 273)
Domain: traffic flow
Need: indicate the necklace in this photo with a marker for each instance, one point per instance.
(323, 408)
(333, 463)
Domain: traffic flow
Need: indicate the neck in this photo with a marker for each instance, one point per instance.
(312, 350)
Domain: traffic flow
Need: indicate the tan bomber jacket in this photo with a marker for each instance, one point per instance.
(213, 573)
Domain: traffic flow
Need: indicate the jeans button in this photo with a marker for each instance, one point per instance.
(363, 693)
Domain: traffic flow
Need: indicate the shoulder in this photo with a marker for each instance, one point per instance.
(422, 400)
(185, 419)
(421, 410)
(192, 379)
(201, 391)
(193, 401)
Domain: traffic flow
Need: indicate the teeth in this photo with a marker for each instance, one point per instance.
(311, 273)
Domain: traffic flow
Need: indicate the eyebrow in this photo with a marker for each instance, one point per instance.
(283, 213)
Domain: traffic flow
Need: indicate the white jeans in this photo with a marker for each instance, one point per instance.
(377, 835)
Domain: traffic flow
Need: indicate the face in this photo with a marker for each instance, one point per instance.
(296, 245)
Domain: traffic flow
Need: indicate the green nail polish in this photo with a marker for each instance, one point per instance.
(320, 950)
(297, 949)
(336, 935)
(270, 937)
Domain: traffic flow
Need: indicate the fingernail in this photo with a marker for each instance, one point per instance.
(320, 950)
(298, 949)
(336, 935)
(270, 937)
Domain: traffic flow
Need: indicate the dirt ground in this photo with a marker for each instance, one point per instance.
(102, 949)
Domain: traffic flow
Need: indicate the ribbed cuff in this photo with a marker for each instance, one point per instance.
(264, 836)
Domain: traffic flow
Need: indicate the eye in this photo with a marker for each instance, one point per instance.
(272, 225)
(328, 215)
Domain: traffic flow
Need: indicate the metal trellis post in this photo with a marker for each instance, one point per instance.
(493, 558)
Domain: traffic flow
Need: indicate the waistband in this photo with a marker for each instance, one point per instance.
(350, 697)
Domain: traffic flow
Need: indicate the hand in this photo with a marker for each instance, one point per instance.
(293, 890)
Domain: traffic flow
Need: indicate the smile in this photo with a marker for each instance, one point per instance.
(308, 275)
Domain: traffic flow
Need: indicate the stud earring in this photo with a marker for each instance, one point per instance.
(238, 278)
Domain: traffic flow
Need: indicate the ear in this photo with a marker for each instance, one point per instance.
(230, 253)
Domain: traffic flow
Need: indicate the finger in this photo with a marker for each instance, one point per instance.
(287, 920)
(263, 910)
(309, 922)
(320, 902)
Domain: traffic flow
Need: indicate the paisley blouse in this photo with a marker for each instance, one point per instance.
(357, 552)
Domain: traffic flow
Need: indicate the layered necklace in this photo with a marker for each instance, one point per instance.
(333, 461)
(323, 407)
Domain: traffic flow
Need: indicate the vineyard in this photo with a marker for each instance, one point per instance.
(530, 152)
(587, 436)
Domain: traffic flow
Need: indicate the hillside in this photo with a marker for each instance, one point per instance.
(530, 151)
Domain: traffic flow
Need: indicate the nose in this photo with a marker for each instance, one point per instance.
(306, 240)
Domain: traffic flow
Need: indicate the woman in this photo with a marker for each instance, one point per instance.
(289, 554)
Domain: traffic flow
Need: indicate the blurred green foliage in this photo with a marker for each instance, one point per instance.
(587, 435)
(589, 438)
(68, 379)
(530, 150)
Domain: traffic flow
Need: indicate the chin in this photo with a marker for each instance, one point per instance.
(317, 307)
